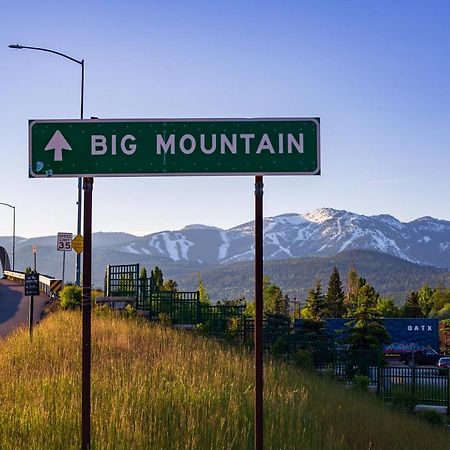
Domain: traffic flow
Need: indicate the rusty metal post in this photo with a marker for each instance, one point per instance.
(259, 366)
(86, 318)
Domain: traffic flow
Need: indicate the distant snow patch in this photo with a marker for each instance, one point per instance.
(130, 249)
(274, 238)
(223, 249)
(320, 215)
(177, 248)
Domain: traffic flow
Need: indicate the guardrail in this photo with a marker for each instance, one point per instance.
(47, 285)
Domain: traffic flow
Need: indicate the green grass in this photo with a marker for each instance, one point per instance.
(156, 388)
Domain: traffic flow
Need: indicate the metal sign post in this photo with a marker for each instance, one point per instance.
(64, 244)
(86, 318)
(31, 289)
(259, 308)
(34, 250)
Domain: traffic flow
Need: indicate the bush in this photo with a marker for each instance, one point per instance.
(431, 416)
(70, 297)
(303, 358)
(361, 383)
(164, 319)
(129, 312)
(404, 399)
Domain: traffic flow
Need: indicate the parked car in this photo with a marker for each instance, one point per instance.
(443, 365)
(426, 356)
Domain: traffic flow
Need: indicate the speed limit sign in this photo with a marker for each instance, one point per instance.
(64, 242)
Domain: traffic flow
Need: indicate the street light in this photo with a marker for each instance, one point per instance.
(81, 63)
(14, 232)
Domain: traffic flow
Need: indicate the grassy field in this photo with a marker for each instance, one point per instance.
(156, 388)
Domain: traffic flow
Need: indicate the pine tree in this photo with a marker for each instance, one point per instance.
(158, 278)
(203, 294)
(426, 299)
(411, 308)
(335, 295)
(366, 331)
(143, 282)
(352, 286)
(316, 301)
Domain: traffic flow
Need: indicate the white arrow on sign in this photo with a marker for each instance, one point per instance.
(58, 143)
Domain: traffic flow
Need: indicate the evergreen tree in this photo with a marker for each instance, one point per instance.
(143, 282)
(352, 286)
(203, 294)
(158, 278)
(143, 273)
(315, 302)
(314, 310)
(411, 308)
(335, 295)
(366, 331)
(426, 299)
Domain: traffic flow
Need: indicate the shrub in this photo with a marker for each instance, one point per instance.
(234, 326)
(303, 358)
(164, 319)
(129, 312)
(404, 399)
(431, 416)
(361, 383)
(279, 347)
(70, 297)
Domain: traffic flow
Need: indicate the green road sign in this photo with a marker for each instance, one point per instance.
(147, 147)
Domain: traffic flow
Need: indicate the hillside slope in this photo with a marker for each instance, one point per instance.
(156, 388)
(391, 276)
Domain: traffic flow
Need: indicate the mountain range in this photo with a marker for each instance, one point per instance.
(197, 248)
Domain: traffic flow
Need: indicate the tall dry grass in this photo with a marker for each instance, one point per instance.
(156, 388)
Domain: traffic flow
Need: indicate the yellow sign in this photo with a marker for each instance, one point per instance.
(77, 243)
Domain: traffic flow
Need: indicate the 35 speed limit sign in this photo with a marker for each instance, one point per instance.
(64, 242)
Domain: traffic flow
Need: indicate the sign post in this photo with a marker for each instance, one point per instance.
(88, 184)
(64, 244)
(34, 250)
(167, 147)
(259, 311)
(31, 289)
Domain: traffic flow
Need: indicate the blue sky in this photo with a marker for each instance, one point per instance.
(376, 73)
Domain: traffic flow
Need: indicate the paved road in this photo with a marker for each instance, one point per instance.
(14, 306)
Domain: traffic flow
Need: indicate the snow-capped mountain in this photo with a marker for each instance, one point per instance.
(323, 232)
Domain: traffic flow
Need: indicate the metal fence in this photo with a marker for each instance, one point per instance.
(415, 385)
(122, 281)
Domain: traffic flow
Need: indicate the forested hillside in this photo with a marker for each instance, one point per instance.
(391, 276)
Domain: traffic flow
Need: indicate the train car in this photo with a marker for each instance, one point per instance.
(406, 334)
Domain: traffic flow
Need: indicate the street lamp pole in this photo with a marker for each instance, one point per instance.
(80, 187)
(14, 233)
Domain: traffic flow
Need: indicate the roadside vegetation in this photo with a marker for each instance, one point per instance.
(157, 388)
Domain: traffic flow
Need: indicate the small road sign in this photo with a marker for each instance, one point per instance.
(77, 243)
(32, 283)
(64, 241)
